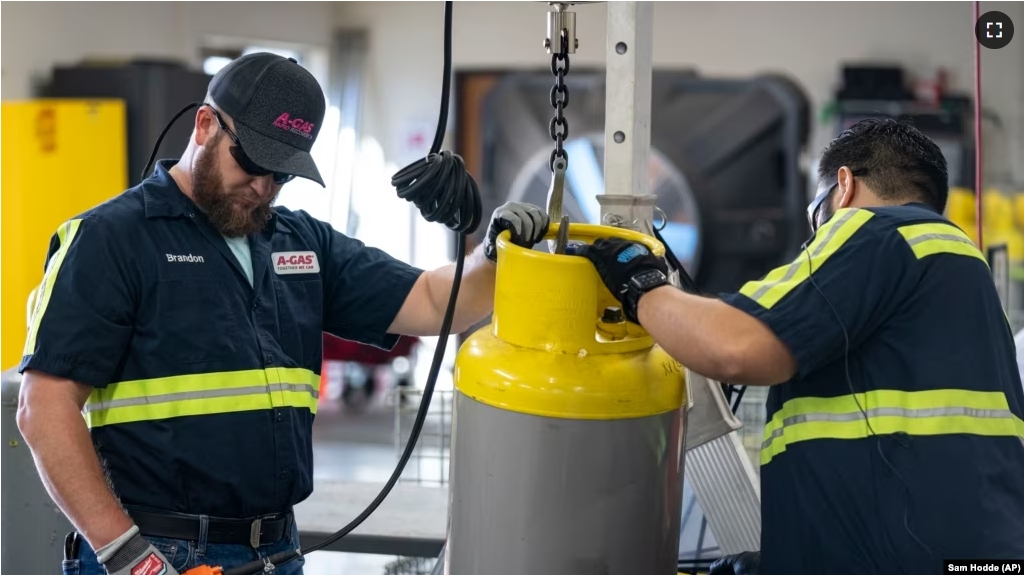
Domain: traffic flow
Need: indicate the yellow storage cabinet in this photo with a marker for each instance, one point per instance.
(59, 158)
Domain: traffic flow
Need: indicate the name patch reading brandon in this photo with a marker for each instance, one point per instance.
(189, 258)
(295, 263)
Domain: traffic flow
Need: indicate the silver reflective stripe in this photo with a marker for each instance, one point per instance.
(886, 412)
(206, 394)
(949, 237)
(795, 266)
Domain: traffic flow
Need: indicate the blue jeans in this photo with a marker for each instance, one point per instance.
(184, 555)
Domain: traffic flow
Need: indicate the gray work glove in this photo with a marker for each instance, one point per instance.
(131, 554)
(529, 225)
(746, 563)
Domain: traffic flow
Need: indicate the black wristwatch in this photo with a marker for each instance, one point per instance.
(640, 284)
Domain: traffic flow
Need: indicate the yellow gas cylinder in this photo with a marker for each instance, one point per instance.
(1000, 230)
(960, 207)
(999, 225)
(1018, 209)
(998, 211)
(568, 425)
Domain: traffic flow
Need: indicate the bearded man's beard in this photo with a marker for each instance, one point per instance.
(224, 209)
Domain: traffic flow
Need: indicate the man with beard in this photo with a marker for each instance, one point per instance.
(185, 318)
(894, 434)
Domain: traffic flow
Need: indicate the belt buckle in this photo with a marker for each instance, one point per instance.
(255, 530)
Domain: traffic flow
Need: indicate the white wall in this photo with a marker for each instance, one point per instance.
(806, 40)
(37, 35)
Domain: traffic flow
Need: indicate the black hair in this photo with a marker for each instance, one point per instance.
(897, 161)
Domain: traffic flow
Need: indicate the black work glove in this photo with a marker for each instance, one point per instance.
(628, 268)
(746, 563)
(529, 225)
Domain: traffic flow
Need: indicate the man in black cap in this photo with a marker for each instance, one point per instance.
(184, 319)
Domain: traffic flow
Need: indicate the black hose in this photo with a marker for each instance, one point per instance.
(444, 191)
(686, 282)
(439, 184)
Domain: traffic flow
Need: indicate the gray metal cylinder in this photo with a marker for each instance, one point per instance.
(550, 496)
(33, 526)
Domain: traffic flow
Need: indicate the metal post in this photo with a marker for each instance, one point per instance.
(717, 466)
(626, 201)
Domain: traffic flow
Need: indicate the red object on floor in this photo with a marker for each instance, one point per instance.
(338, 349)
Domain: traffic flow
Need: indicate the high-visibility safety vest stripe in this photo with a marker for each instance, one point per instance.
(827, 241)
(66, 235)
(202, 394)
(938, 238)
(934, 412)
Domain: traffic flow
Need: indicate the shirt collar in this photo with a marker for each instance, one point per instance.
(164, 199)
(162, 196)
(921, 205)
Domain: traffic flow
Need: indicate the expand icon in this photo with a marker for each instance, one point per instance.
(994, 30)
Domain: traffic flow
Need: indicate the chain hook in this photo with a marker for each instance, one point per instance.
(558, 127)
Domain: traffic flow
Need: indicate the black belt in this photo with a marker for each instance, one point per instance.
(255, 532)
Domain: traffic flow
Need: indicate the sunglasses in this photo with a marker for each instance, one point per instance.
(244, 162)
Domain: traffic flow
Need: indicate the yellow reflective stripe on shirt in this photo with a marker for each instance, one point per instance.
(934, 412)
(202, 394)
(827, 241)
(939, 238)
(65, 234)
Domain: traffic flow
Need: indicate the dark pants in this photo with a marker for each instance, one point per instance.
(184, 555)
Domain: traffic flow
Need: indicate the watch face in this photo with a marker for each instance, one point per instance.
(649, 279)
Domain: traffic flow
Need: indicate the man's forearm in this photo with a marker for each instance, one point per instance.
(71, 471)
(715, 339)
(476, 291)
(687, 327)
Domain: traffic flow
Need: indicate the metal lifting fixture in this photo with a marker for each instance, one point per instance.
(718, 467)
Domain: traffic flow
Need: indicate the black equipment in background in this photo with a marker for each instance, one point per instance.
(877, 91)
(724, 163)
(153, 92)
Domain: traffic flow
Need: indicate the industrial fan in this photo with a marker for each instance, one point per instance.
(724, 163)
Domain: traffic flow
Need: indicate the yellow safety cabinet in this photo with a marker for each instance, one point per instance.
(59, 158)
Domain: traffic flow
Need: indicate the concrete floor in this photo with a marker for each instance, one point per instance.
(360, 446)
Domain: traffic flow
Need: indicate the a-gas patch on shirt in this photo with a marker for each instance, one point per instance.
(295, 263)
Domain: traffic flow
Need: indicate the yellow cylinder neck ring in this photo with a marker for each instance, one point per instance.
(552, 302)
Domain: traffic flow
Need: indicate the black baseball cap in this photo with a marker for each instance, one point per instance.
(278, 109)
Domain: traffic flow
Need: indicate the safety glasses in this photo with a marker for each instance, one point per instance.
(244, 162)
(814, 208)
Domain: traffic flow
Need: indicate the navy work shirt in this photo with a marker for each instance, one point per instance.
(910, 451)
(205, 386)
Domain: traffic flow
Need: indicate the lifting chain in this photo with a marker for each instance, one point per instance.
(559, 125)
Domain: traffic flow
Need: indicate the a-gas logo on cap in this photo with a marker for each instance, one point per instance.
(295, 263)
(296, 126)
